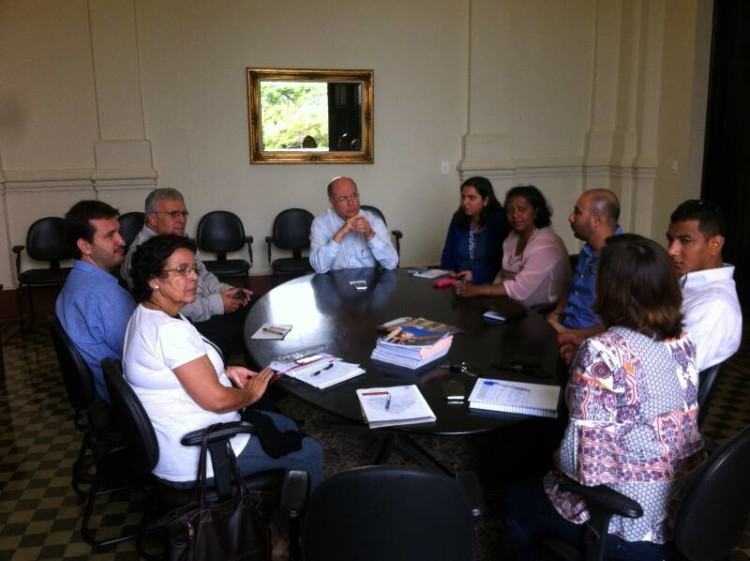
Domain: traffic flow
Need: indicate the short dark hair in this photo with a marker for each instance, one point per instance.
(637, 287)
(485, 190)
(708, 214)
(77, 225)
(149, 259)
(542, 211)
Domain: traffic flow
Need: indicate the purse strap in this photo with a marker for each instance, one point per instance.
(201, 485)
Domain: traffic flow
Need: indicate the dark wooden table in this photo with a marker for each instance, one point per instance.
(327, 312)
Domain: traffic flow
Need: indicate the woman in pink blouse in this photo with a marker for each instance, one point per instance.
(535, 266)
(633, 415)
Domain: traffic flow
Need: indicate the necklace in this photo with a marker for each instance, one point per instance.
(152, 303)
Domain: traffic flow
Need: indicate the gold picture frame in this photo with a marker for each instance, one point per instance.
(348, 135)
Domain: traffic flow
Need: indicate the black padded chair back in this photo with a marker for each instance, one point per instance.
(131, 418)
(706, 383)
(376, 211)
(45, 241)
(130, 224)
(714, 513)
(291, 230)
(380, 513)
(79, 381)
(220, 232)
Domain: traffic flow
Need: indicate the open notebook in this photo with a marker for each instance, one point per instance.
(327, 376)
(515, 397)
(393, 406)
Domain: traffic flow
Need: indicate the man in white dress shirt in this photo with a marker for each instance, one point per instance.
(346, 237)
(712, 311)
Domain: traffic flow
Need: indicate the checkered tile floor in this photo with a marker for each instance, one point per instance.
(40, 513)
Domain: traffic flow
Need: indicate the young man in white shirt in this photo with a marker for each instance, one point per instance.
(713, 317)
(346, 237)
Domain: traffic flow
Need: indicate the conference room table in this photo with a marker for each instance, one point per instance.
(328, 314)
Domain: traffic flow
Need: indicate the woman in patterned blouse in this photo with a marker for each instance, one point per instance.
(633, 412)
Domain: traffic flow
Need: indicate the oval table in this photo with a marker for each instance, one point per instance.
(328, 313)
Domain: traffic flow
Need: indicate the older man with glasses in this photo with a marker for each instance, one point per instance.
(219, 309)
(347, 237)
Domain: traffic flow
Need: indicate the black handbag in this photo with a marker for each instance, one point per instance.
(233, 529)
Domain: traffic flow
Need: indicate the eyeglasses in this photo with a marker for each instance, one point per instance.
(342, 198)
(174, 214)
(183, 269)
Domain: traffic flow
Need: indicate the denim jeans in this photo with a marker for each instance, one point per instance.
(309, 457)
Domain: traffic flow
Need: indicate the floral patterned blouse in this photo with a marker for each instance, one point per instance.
(633, 427)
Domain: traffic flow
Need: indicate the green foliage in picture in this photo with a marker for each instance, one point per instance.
(291, 111)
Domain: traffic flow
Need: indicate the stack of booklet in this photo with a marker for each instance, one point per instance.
(412, 343)
(321, 370)
(396, 405)
(515, 397)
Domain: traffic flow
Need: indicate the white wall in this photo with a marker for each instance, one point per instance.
(108, 98)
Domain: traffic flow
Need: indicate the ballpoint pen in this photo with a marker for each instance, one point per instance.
(275, 330)
(330, 365)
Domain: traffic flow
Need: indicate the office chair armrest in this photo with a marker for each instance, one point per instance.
(398, 234)
(604, 499)
(17, 249)
(469, 482)
(269, 240)
(294, 492)
(222, 431)
(249, 242)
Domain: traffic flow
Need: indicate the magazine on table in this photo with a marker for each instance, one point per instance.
(417, 332)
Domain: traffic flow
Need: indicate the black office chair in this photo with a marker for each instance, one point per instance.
(288, 488)
(397, 234)
(706, 385)
(389, 513)
(102, 444)
(711, 519)
(45, 241)
(221, 232)
(291, 232)
(131, 223)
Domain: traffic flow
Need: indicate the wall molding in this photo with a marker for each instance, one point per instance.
(78, 179)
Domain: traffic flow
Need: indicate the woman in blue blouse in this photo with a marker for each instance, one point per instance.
(474, 245)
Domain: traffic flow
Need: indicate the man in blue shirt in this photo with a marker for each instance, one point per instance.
(346, 237)
(593, 220)
(92, 307)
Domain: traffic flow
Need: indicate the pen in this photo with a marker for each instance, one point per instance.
(324, 368)
(510, 386)
(376, 393)
(388, 402)
(276, 330)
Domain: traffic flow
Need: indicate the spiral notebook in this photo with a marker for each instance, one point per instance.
(536, 400)
(393, 406)
(303, 366)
